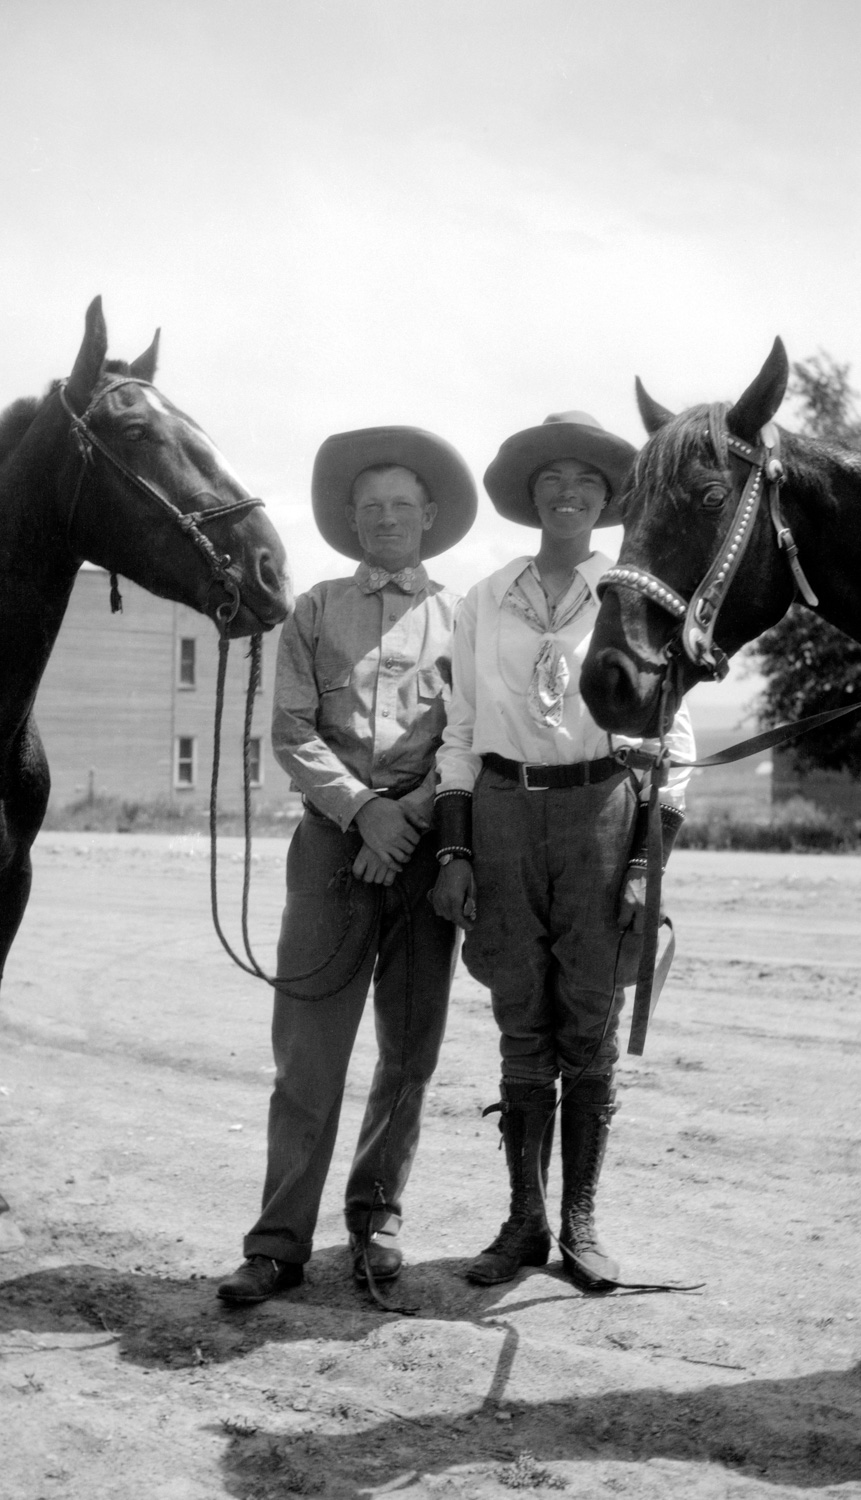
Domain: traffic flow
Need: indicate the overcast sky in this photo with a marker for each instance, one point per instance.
(461, 214)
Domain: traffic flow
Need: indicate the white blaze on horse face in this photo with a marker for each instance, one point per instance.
(224, 468)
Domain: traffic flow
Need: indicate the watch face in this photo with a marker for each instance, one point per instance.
(446, 859)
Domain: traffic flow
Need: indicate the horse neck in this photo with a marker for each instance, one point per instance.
(827, 530)
(37, 565)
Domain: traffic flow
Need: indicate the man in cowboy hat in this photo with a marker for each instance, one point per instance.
(530, 791)
(362, 683)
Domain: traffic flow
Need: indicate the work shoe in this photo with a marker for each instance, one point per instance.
(385, 1257)
(259, 1277)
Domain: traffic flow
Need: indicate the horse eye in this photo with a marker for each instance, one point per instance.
(134, 434)
(714, 497)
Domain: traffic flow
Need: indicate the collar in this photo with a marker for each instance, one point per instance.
(590, 571)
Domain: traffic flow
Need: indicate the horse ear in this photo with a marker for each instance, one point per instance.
(91, 355)
(762, 397)
(146, 364)
(653, 415)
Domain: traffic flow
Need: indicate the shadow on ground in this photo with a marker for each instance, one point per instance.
(802, 1431)
(779, 1432)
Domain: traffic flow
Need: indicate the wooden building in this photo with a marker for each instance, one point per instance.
(126, 706)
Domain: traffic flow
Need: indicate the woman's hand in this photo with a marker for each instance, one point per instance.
(453, 896)
(632, 902)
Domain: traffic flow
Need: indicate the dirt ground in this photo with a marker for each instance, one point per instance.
(134, 1075)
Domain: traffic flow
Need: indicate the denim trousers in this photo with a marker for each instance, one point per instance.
(343, 934)
(549, 867)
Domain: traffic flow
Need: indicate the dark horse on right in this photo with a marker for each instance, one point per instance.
(728, 520)
(106, 468)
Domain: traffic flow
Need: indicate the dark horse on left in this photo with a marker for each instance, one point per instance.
(105, 469)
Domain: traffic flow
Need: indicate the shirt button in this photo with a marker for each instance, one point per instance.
(393, 617)
(385, 713)
(390, 661)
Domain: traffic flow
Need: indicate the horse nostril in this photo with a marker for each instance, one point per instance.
(268, 574)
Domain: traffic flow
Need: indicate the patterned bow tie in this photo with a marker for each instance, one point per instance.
(407, 579)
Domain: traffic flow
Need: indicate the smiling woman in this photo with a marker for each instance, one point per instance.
(549, 889)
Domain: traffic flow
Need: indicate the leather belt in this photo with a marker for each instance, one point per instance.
(551, 778)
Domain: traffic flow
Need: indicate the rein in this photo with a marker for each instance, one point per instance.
(282, 985)
(189, 522)
(697, 619)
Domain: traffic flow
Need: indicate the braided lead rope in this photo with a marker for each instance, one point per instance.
(254, 968)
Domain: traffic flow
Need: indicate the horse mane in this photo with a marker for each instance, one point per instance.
(15, 421)
(812, 463)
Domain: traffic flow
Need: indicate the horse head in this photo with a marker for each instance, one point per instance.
(151, 497)
(696, 540)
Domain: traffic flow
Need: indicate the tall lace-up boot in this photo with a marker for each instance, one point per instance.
(527, 1133)
(585, 1113)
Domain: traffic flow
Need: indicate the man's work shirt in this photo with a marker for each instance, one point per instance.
(362, 683)
(517, 663)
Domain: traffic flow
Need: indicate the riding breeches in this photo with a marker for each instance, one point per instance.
(549, 868)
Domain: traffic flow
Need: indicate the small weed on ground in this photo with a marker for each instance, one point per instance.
(526, 1474)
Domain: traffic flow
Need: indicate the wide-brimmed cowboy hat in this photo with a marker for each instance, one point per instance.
(440, 467)
(565, 434)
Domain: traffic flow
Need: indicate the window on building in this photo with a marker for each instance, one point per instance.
(255, 760)
(186, 760)
(187, 672)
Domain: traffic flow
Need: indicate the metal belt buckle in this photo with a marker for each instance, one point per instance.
(524, 771)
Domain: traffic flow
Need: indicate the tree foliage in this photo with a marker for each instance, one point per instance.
(810, 666)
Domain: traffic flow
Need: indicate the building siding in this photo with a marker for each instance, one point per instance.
(110, 707)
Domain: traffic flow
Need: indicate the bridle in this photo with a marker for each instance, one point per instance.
(694, 638)
(698, 615)
(189, 522)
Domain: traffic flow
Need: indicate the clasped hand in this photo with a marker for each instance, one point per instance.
(390, 832)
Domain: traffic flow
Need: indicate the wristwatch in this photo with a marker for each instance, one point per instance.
(446, 859)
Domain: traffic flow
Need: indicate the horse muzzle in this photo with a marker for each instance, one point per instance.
(622, 699)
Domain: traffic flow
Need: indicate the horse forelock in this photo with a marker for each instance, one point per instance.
(696, 438)
(15, 421)
(116, 367)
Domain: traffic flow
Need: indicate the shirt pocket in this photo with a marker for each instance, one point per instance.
(335, 698)
(332, 671)
(434, 683)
